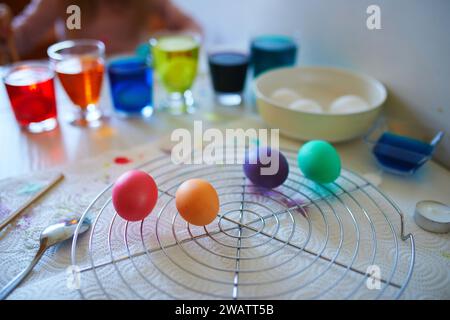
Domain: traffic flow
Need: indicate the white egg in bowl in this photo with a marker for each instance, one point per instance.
(306, 105)
(285, 96)
(350, 102)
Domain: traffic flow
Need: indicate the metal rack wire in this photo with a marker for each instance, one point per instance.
(301, 240)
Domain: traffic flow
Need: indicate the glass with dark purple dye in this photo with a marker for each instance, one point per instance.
(228, 73)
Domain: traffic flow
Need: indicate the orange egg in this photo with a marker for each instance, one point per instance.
(197, 202)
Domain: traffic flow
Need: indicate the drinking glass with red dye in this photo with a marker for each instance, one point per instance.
(31, 91)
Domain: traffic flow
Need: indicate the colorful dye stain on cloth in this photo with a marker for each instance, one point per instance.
(446, 255)
(24, 222)
(30, 188)
(4, 211)
(122, 160)
(106, 178)
(292, 203)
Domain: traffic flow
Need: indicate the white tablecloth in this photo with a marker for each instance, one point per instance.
(18, 243)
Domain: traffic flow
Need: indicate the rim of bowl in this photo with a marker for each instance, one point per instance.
(360, 75)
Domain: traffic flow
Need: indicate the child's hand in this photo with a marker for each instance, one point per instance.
(5, 22)
(8, 52)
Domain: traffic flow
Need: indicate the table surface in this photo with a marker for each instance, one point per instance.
(25, 153)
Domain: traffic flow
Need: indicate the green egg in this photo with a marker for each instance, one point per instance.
(319, 161)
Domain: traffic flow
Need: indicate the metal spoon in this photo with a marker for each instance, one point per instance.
(51, 235)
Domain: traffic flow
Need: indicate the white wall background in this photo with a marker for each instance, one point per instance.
(410, 55)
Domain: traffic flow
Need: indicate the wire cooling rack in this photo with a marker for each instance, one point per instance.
(302, 240)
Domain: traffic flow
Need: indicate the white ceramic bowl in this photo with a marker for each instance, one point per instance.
(323, 84)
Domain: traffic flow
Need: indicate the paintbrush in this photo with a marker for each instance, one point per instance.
(27, 204)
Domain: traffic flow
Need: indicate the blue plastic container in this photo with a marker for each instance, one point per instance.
(399, 153)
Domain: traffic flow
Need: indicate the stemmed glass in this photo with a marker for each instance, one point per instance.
(79, 65)
(175, 59)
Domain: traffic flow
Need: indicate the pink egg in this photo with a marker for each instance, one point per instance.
(134, 195)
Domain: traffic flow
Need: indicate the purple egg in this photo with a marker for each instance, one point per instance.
(266, 167)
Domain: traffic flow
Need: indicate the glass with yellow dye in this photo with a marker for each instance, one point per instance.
(175, 60)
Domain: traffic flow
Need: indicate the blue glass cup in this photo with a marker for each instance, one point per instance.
(131, 82)
(272, 51)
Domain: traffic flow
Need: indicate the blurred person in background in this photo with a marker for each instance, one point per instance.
(120, 24)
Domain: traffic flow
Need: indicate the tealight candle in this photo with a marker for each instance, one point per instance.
(433, 216)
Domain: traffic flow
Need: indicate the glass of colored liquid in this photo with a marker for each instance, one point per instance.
(79, 65)
(131, 83)
(272, 51)
(31, 91)
(228, 73)
(175, 60)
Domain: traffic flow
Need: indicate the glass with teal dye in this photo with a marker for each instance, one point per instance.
(131, 82)
(272, 51)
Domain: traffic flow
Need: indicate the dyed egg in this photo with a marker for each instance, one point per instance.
(268, 173)
(349, 104)
(306, 105)
(319, 161)
(285, 96)
(197, 202)
(134, 195)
